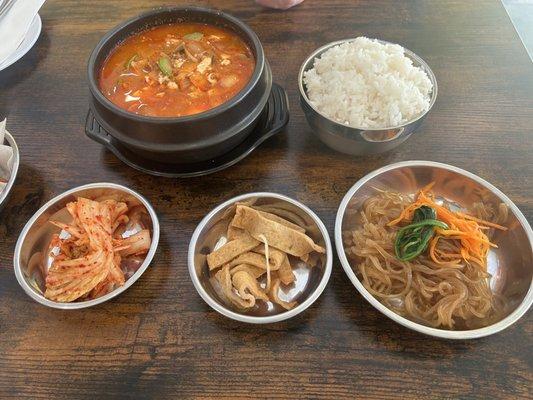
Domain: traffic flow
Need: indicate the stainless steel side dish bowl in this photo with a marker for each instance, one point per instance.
(311, 277)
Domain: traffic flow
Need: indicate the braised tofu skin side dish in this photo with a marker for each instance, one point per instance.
(176, 70)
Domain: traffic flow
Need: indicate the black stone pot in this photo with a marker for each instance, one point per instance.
(194, 138)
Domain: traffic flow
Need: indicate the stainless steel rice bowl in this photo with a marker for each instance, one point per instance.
(354, 140)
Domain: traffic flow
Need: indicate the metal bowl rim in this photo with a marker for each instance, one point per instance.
(231, 102)
(16, 163)
(409, 53)
(272, 318)
(441, 333)
(84, 304)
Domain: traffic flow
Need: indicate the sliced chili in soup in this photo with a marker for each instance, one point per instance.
(176, 70)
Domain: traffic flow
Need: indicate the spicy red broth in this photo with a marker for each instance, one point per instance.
(176, 70)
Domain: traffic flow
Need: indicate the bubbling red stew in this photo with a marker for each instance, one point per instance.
(176, 70)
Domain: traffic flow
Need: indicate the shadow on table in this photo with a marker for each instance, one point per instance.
(240, 178)
(23, 68)
(26, 197)
(350, 167)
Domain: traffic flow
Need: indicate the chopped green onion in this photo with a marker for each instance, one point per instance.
(413, 239)
(128, 63)
(194, 36)
(165, 66)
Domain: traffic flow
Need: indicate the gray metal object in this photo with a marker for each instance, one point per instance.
(310, 282)
(4, 194)
(511, 264)
(359, 141)
(32, 244)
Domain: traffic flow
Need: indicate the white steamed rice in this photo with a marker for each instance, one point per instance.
(366, 84)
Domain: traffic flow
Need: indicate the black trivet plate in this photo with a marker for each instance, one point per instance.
(271, 121)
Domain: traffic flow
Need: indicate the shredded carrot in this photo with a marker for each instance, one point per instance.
(467, 229)
(482, 222)
(432, 247)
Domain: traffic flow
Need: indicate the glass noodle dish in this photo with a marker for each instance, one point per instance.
(426, 259)
(176, 70)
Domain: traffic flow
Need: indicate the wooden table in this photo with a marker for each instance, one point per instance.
(159, 339)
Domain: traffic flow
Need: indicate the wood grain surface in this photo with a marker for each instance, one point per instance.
(159, 339)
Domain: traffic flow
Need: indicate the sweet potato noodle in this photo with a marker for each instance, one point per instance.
(256, 259)
(445, 290)
(90, 256)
